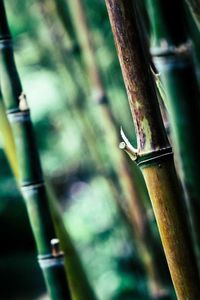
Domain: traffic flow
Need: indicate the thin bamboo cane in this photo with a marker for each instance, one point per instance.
(77, 106)
(174, 61)
(154, 154)
(79, 284)
(194, 35)
(195, 9)
(145, 241)
(30, 172)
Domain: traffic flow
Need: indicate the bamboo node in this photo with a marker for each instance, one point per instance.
(23, 105)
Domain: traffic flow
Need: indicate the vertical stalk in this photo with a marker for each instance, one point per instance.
(145, 241)
(79, 285)
(154, 154)
(172, 54)
(30, 173)
(8, 141)
(195, 9)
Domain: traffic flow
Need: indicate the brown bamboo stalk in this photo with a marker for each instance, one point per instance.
(137, 212)
(154, 154)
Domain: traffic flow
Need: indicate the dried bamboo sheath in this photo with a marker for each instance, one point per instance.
(154, 152)
(30, 177)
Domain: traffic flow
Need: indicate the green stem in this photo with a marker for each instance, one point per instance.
(174, 61)
(30, 173)
(76, 276)
(8, 141)
(195, 9)
(154, 152)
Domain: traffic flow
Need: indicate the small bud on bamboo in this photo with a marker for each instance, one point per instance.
(55, 246)
(23, 105)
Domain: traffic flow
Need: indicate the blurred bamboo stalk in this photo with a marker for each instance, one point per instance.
(79, 285)
(145, 241)
(77, 105)
(8, 141)
(172, 54)
(30, 173)
(195, 9)
(154, 154)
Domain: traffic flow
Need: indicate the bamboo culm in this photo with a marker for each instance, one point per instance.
(30, 173)
(174, 61)
(154, 154)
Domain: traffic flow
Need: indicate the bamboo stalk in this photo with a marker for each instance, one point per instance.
(79, 284)
(145, 241)
(77, 105)
(173, 57)
(30, 173)
(154, 154)
(76, 276)
(195, 9)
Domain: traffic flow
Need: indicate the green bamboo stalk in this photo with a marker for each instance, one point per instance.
(63, 13)
(172, 54)
(76, 276)
(195, 9)
(154, 154)
(194, 35)
(145, 241)
(79, 285)
(50, 256)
